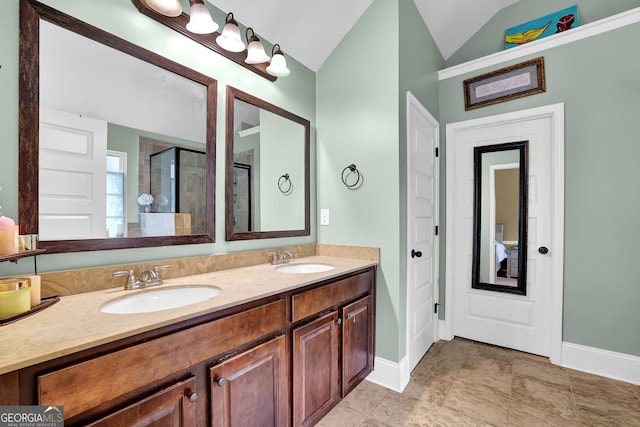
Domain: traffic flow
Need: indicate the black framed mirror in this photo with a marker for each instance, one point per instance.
(500, 217)
(69, 72)
(267, 170)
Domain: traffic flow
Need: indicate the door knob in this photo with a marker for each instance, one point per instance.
(415, 254)
(543, 250)
(220, 382)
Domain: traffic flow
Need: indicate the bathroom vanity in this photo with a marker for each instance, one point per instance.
(272, 348)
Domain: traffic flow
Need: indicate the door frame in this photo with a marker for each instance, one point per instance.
(556, 113)
(413, 101)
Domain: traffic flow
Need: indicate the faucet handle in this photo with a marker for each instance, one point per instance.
(273, 255)
(131, 279)
(158, 268)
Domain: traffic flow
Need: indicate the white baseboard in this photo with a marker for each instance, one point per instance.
(443, 334)
(392, 375)
(618, 366)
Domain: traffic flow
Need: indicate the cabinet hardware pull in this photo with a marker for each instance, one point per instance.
(339, 321)
(220, 382)
(193, 396)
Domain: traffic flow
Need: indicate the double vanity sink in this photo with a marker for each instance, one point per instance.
(204, 348)
(158, 299)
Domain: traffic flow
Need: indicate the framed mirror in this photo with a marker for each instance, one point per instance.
(500, 218)
(267, 170)
(116, 143)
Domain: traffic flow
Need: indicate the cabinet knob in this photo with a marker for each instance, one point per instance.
(220, 382)
(192, 396)
(339, 321)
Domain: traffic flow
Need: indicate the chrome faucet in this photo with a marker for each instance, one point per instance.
(281, 257)
(146, 279)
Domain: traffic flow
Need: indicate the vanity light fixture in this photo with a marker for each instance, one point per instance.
(201, 28)
(230, 39)
(278, 66)
(171, 8)
(255, 50)
(200, 21)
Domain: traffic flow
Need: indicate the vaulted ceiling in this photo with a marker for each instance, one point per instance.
(310, 30)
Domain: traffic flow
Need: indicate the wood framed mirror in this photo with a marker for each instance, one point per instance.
(267, 170)
(500, 217)
(69, 71)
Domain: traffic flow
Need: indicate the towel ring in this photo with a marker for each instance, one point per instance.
(282, 184)
(353, 169)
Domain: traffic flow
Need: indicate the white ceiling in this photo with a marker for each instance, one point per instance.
(310, 30)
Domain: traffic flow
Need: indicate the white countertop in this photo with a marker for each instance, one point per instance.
(76, 323)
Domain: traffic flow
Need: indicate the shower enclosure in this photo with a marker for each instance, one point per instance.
(178, 184)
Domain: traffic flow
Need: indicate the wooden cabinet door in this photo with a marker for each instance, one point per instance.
(172, 407)
(315, 369)
(251, 388)
(357, 343)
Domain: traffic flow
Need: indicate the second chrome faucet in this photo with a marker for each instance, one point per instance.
(281, 257)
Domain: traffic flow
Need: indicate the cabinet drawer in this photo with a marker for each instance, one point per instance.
(316, 300)
(126, 370)
(173, 406)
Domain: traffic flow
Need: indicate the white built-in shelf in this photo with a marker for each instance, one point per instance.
(581, 32)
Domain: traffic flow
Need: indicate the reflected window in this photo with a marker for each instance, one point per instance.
(116, 168)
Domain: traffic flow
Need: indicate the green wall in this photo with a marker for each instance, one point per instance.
(361, 120)
(295, 93)
(357, 117)
(597, 79)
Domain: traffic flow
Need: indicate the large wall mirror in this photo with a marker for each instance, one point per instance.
(117, 144)
(267, 175)
(500, 218)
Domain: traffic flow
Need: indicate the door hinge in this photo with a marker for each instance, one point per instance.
(437, 230)
(435, 308)
(437, 152)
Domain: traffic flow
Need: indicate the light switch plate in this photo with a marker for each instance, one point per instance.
(324, 216)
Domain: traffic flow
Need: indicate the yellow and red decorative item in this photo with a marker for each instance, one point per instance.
(548, 25)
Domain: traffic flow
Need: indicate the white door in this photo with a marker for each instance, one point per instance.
(422, 212)
(72, 181)
(523, 322)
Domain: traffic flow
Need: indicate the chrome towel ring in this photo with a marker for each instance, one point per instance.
(352, 170)
(284, 184)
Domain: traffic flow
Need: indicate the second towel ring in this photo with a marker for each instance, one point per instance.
(353, 169)
(284, 184)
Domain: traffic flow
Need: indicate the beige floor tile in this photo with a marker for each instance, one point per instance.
(462, 383)
(342, 416)
(485, 407)
(399, 410)
(365, 397)
(542, 370)
(544, 400)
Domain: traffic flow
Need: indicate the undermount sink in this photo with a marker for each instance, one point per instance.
(148, 301)
(304, 268)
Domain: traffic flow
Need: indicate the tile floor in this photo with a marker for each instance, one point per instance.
(465, 383)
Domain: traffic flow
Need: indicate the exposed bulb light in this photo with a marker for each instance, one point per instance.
(230, 39)
(278, 66)
(255, 50)
(171, 8)
(200, 21)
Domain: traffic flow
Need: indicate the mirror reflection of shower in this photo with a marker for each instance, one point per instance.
(178, 185)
